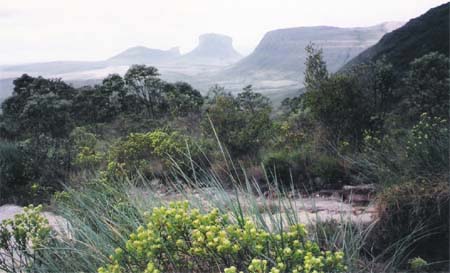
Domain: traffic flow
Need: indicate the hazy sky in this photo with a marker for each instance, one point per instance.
(47, 30)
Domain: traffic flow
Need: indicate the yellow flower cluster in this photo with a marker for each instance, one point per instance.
(22, 238)
(177, 238)
(27, 227)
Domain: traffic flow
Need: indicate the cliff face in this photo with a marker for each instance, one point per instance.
(283, 51)
(213, 49)
(426, 33)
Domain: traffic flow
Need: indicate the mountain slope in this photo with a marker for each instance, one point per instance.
(426, 33)
(144, 55)
(283, 51)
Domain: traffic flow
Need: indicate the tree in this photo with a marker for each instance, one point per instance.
(214, 92)
(252, 102)
(113, 86)
(40, 106)
(182, 99)
(316, 69)
(144, 83)
(242, 124)
(341, 107)
(93, 105)
(427, 86)
(351, 102)
(377, 82)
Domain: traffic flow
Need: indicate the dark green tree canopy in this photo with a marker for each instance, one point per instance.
(242, 123)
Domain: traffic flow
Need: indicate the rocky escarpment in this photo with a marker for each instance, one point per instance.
(283, 51)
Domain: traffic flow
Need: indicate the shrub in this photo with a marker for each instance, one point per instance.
(143, 152)
(85, 148)
(283, 166)
(241, 123)
(21, 239)
(404, 154)
(311, 170)
(417, 264)
(11, 169)
(415, 214)
(178, 238)
(328, 168)
(427, 147)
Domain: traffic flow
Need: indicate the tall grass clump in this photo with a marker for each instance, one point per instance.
(102, 217)
(411, 168)
(130, 225)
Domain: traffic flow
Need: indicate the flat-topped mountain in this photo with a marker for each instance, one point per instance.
(276, 64)
(214, 49)
(283, 50)
(426, 33)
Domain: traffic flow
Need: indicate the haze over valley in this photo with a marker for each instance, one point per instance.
(276, 65)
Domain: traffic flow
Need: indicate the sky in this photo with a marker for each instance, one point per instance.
(50, 30)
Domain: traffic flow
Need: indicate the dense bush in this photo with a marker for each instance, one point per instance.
(427, 86)
(404, 154)
(415, 214)
(305, 169)
(86, 155)
(11, 170)
(241, 123)
(177, 238)
(152, 153)
(428, 146)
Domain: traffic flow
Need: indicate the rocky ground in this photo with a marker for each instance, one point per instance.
(350, 204)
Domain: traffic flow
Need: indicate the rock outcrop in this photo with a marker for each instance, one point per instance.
(213, 49)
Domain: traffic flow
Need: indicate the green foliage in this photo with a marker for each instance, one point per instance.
(139, 151)
(304, 169)
(417, 264)
(33, 169)
(145, 84)
(415, 214)
(427, 146)
(405, 154)
(95, 104)
(341, 107)
(22, 238)
(11, 169)
(316, 70)
(178, 238)
(350, 102)
(182, 99)
(427, 86)
(243, 124)
(40, 106)
(84, 142)
(295, 130)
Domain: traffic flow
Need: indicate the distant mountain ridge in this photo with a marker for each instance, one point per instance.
(426, 33)
(283, 50)
(276, 64)
(144, 55)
